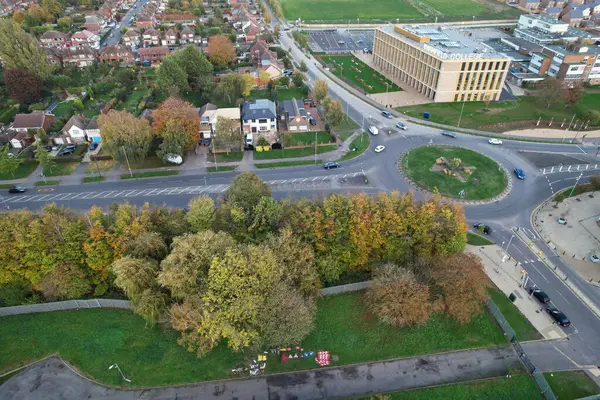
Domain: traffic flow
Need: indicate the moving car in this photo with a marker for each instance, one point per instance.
(330, 165)
(519, 173)
(486, 229)
(495, 141)
(540, 295)
(374, 131)
(562, 221)
(558, 316)
(379, 149)
(387, 114)
(17, 189)
(449, 134)
(400, 125)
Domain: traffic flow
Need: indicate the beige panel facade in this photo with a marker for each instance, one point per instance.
(440, 79)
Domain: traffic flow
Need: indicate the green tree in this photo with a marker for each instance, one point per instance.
(150, 304)
(174, 139)
(246, 190)
(78, 105)
(65, 281)
(8, 162)
(19, 49)
(298, 78)
(147, 245)
(64, 22)
(334, 113)
(320, 91)
(123, 134)
(171, 74)
(201, 213)
(46, 161)
(134, 275)
(277, 30)
(303, 66)
(227, 133)
(53, 7)
(197, 67)
(267, 216)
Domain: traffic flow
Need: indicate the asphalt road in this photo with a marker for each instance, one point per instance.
(125, 22)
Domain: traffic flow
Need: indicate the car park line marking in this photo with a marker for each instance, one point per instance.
(564, 298)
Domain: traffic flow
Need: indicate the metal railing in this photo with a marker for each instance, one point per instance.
(64, 305)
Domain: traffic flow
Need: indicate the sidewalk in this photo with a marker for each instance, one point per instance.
(506, 275)
(49, 379)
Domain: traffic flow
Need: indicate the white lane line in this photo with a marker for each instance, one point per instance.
(172, 190)
(224, 189)
(151, 192)
(160, 191)
(552, 183)
(539, 272)
(315, 178)
(293, 181)
(217, 188)
(108, 194)
(283, 181)
(583, 151)
(119, 194)
(96, 195)
(560, 169)
(552, 170)
(55, 196)
(564, 298)
(43, 197)
(77, 195)
(127, 193)
(19, 200)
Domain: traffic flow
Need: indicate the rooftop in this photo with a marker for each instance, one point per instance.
(504, 49)
(591, 49)
(544, 18)
(541, 35)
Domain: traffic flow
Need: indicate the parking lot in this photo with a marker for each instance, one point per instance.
(340, 41)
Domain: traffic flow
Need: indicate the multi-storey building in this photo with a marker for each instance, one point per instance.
(442, 63)
(580, 64)
(54, 39)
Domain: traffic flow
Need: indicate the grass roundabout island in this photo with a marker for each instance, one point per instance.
(454, 172)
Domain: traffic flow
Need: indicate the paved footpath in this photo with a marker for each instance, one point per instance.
(51, 379)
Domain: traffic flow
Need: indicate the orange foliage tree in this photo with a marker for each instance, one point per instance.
(174, 109)
(220, 50)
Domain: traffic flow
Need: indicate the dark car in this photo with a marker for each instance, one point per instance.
(558, 316)
(540, 295)
(206, 142)
(387, 114)
(519, 173)
(330, 165)
(17, 189)
(66, 152)
(312, 121)
(486, 229)
(70, 146)
(48, 148)
(449, 134)
(93, 146)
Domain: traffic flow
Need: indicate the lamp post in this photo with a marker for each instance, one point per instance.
(128, 165)
(461, 112)
(315, 147)
(576, 182)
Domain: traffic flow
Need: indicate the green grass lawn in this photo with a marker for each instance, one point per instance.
(148, 162)
(358, 73)
(486, 181)
(132, 101)
(347, 124)
(89, 179)
(232, 156)
(477, 240)
(517, 387)
(288, 164)
(357, 147)
(149, 174)
(8, 185)
(46, 183)
(259, 94)
(571, 385)
(477, 116)
(23, 171)
(64, 109)
(289, 94)
(305, 138)
(292, 153)
(224, 168)
(522, 327)
(62, 168)
(102, 165)
(195, 98)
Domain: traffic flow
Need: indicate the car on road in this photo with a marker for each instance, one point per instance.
(93, 146)
(112, 35)
(594, 258)
(400, 125)
(558, 316)
(519, 173)
(331, 165)
(540, 295)
(495, 141)
(449, 134)
(374, 131)
(562, 221)
(17, 189)
(387, 114)
(485, 228)
(379, 149)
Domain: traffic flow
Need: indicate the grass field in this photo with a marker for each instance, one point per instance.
(62, 168)
(148, 162)
(357, 147)
(477, 116)
(518, 387)
(23, 171)
(347, 125)
(149, 174)
(292, 153)
(487, 180)
(64, 109)
(289, 94)
(304, 138)
(477, 240)
(359, 74)
(288, 164)
(221, 169)
(522, 327)
(571, 385)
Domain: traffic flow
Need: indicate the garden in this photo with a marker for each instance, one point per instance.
(359, 74)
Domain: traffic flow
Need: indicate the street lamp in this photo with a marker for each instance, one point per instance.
(115, 365)
(576, 182)
(128, 166)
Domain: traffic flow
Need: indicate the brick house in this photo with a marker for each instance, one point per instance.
(86, 38)
(151, 37)
(131, 39)
(293, 116)
(79, 57)
(170, 37)
(54, 39)
(118, 54)
(35, 120)
(153, 55)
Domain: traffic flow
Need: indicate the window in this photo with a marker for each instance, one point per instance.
(462, 68)
(263, 128)
(470, 66)
(263, 121)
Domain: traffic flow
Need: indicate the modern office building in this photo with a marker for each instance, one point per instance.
(444, 63)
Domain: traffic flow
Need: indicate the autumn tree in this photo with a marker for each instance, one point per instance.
(148, 245)
(53, 7)
(134, 275)
(20, 50)
(201, 213)
(65, 281)
(171, 74)
(174, 140)
(8, 162)
(550, 92)
(246, 190)
(64, 22)
(183, 119)
(43, 157)
(298, 78)
(234, 86)
(227, 133)
(334, 113)
(277, 30)
(22, 85)
(264, 78)
(397, 298)
(18, 17)
(124, 135)
(220, 50)
(320, 90)
(573, 94)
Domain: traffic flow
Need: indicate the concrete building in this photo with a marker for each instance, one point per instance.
(547, 30)
(443, 63)
(576, 64)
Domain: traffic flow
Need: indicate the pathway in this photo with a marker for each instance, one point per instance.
(50, 379)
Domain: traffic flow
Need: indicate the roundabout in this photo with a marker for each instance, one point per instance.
(454, 172)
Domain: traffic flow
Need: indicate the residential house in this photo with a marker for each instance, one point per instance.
(79, 57)
(54, 39)
(8, 6)
(187, 35)
(118, 54)
(211, 114)
(552, 3)
(53, 55)
(35, 120)
(144, 23)
(86, 38)
(173, 19)
(529, 5)
(170, 37)
(131, 39)
(204, 113)
(151, 37)
(259, 50)
(271, 66)
(153, 55)
(93, 131)
(552, 11)
(20, 140)
(73, 131)
(293, 116)
(259, 117)
(252, 32)
(94, 23)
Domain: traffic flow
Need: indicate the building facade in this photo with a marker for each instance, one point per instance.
(443, 64)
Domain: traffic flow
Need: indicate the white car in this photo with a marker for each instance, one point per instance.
(374, 131)
(400, 125)
(174, 158)
(594, 259)
(379, 149)
(495, 141)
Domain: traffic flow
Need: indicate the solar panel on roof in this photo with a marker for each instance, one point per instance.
(451, 44)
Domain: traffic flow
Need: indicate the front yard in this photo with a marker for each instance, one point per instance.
(305, 138)
(292, 153)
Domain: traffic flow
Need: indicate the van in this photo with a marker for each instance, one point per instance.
(373, 130)
(249, 139)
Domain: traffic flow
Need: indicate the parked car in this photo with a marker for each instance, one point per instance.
(379, 149)
(400, 125)
(206, 142)
(330, 165)
(486, 229)
(558, 316)
(449, 134)
(17, 189)
(519, 173)
(70, 146)
(66, 152)
(562, 221)
(93, 146)
(374, 131)
(312, 121)
(48, 148)
(540, 295)
(495, 141)
(174, 158)
(387, 114)
(594, 258)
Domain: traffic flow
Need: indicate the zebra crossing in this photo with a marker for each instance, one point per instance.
(569, 168)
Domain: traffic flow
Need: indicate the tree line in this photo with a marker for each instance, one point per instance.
(249, 270)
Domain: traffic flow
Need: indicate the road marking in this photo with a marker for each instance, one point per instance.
(564, 298)
(43, 197)
(583, 151)
(315, 178)
(283, 181)
(552, 170)
(539, 272)
(217, 188)
(108, 194)
(77, 195)
(224, 189)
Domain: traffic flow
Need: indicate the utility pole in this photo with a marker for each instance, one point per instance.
(315, 147)
(128, 165)
(461, 112)
(576, 182)
(215, 154)
(97, 167)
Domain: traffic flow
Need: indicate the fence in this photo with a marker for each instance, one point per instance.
(63, 305)
(351, 287)
(510, 333)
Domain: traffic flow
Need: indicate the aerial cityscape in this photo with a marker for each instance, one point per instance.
(299, 199)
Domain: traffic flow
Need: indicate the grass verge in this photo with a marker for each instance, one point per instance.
(357, 147)
(23, 171)
(288, 164)
(359, 74)
(347, 124)
(522, 327)
(89, 179)
(477, 240)
(61, 169)
(149, 174)
(305, 138)
(571, 385)
(579, 189)
(148, 162)
(292, 153)
(102, 165)
(225, 157)
(46, 183)
(221, 169)
(9, 185)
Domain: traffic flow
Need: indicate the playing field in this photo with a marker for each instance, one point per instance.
(358, 73)
(353, 11)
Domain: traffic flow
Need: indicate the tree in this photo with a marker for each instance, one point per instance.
(18, 17)
(301, 39)
(234, 86)
(124, 30)
(53, 7)
(183, 119)
(65, 22)
(246, 190)
(334, 113)
(549, 92)
(122, 133)
(573, 95)
(249, 83)
(320, 91)
(147, 245)
(220, 50)
(8, 162)
(46, 161)
(20, 50)
(78, 105)
(266, 218)
(264, 78)
(227, 133)
(65, 281)
(22, 85)
(298, 78)
(134, 275)
(201, 213)
(397, 298)
(174, 140)
(276, 30)
(149, 304)
(303, 66)
(197, 67)
(171, 74)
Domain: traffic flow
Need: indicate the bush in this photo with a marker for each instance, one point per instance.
(8, 115)
(100, 157)
(37, 107)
